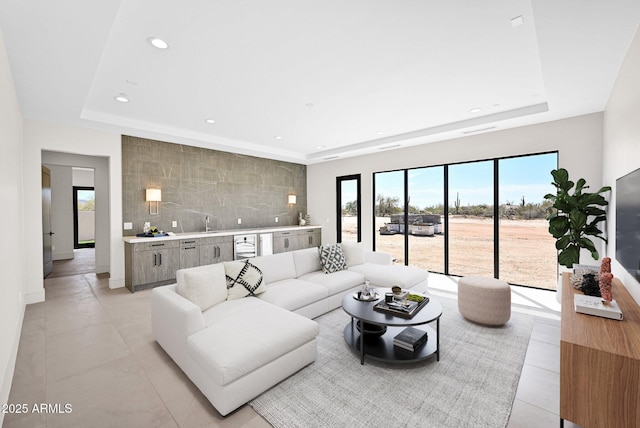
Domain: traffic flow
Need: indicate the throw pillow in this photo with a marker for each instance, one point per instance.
(205, 286)
(353, 253)
(332, 258)
(243, 279)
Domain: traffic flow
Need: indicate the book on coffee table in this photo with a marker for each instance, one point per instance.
(405, 308)
(410, 339)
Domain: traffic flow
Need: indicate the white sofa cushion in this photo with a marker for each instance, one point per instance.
(331, 258)
(205, 286)
(337, 281)
(353, 253)
(307, 260)
(276, 267)
(292, 294)
(243, 279)
(246, 340)
(386, 276)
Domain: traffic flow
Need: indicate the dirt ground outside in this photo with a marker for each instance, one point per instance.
(527, 250)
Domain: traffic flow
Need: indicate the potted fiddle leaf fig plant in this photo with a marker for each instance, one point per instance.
(575, 218)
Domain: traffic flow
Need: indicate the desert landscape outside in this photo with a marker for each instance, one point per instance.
(526, 249)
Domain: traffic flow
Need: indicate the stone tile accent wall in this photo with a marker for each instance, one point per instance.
(197, 182)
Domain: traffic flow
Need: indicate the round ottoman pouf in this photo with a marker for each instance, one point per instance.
(484, 300)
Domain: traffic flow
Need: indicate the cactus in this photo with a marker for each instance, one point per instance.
(522, 203)
(457, 203)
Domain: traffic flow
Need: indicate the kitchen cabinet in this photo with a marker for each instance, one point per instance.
(309, 238)
(150, 264)
(154, 261)
(189, 253)
(216, 249)
(284, 241)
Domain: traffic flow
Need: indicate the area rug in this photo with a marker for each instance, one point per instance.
(473, 384)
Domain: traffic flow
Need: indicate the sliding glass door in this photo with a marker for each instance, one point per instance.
(473, 218)
(471, 225)
(527, 249)
(389, 221)
(426, 218)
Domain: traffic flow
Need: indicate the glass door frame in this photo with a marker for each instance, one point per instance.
(76, 245)
(339, 181)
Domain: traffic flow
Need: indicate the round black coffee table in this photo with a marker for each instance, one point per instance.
(381, 348)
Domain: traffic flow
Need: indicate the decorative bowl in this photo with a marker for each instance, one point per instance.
(371, 331)
(397, 290)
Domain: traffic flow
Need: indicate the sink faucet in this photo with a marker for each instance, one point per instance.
(206, 224)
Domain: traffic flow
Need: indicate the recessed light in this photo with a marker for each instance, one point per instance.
(277, 137)
(517, 21)
(158, 43)
(210, 121)
(320, 147)
(379, 133)
(122, 98)
(475, 110)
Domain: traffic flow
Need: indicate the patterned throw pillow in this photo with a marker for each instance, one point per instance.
(332, 258)
(243, 279)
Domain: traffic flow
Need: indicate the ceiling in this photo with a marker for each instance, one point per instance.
(308, 81)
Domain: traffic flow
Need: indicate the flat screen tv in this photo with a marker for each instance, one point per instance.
(628, 222)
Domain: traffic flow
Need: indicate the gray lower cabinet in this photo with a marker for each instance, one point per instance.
(309, 238)
(285, 241)
(216, 249)
(150, 264)
(189, 253)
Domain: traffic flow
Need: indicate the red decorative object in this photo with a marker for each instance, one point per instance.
(605, 267)
(605, 286)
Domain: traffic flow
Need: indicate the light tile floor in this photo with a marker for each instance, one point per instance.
(91, 347)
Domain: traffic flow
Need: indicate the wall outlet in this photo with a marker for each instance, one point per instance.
(174, 223)
(239, 221)
(128, 226)
(276, 219)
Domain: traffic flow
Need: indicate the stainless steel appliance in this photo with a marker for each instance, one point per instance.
(244, 246)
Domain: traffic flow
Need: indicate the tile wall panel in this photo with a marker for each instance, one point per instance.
(197, 182)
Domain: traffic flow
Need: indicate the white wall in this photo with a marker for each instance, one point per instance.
(622, 145)
(61, 211)
(83, 177)
(39, 136)
(12, 257)
(578, 141)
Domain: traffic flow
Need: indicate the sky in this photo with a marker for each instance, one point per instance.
(528, 176)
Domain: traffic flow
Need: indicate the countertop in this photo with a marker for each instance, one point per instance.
(188, 235)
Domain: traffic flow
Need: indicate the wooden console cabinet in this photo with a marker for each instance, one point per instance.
(600, 363)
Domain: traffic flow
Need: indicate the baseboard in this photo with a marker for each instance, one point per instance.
(7, 380)
(63, 256)
(102, 269)
(36, 297)
(116, 283)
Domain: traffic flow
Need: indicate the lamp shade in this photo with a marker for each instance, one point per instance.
(154, 195)
(292, 199)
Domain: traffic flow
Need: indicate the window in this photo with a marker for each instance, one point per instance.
(474, 218)
(349, 224)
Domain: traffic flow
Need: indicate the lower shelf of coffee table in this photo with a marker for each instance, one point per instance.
(382, 349)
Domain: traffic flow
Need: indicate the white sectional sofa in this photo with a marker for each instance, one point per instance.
(235, 349)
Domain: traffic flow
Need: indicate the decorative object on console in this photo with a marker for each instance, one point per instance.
(579, 271)
(604, 279)
(332, 258)
(590, 285)
(592, 305)
(569, 222)
(243, 279)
